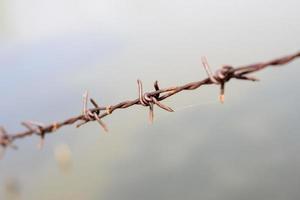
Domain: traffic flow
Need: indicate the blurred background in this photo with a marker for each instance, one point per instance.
(52, 51)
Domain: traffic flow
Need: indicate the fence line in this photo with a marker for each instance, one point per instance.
(146, 99)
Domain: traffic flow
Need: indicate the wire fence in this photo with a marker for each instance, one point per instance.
(146, 99)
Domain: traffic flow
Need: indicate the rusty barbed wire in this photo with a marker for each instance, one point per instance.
(146, 99)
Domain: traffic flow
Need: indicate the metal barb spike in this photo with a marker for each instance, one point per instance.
(159, 104)
(248, 78)
(85, 97)
(156, 87)
(140, 90)
(97, 118)
(41, 143)
(222, 93)
(208, 70)
(95, 105)
(151, 113)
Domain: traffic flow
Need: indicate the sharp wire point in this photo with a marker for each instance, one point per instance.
(151, 113)
(85, 101)
(101, 122)
(208, 70)
(41, 143)
(94, 103)
(222, 98)
(159, 104)
(222, 93)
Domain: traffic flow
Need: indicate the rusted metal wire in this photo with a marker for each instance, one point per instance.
(147, 99)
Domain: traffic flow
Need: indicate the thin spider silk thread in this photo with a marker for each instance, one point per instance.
(183, 108)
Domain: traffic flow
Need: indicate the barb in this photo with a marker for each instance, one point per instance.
(90, 115)
(148, 99)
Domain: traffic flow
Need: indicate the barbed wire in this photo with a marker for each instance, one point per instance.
(146, 99)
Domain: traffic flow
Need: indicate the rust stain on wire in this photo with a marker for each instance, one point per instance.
(146, 99)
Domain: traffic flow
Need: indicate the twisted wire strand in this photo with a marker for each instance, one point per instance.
(147, 99)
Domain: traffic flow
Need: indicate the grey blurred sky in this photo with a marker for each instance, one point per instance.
(52, 51)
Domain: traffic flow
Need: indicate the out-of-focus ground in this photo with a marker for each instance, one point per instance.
(52, 51)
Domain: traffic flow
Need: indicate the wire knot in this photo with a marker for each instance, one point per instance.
(89, 115)
(223, 75)
(148, 99)
(220, 77)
